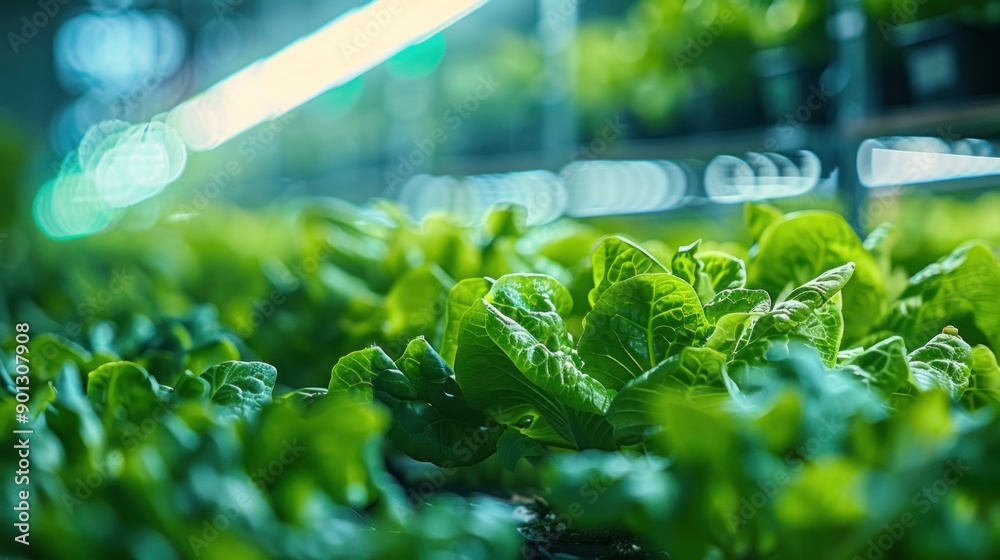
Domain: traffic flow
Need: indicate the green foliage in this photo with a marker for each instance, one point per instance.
(134, 469)
(460, 299)
(801, 246)
(959, 289)
(431, 419)
(984, 381)
(617, 259)
(811, 311)
(884, 365)
(242, 388)
(779, 407)
(695, 372)
(514, 446)
(123, 390)
(639, 323)
(515, 360)
(945, 362)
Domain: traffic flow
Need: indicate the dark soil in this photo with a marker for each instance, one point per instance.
(547, 537)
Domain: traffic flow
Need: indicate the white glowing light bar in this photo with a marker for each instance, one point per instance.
(609, 188)
(333, 55)
(761, 176)
(542, 193)
(897, 167)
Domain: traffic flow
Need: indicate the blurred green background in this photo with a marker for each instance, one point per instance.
(345, 223)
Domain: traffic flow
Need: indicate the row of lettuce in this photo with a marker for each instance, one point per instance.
(807, 399)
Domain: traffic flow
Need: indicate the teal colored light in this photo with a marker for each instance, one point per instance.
(99, 138)
(70, 207)
(339, 99)
(118, 166)
(131, 172)
(420, 60)
(137, 163)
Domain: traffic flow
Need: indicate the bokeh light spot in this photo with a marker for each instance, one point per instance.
(418, 60)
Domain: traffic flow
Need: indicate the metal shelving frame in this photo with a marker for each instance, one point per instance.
(858, 115)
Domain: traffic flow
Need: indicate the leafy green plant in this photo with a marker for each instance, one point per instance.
(692, 402)
(216, 467)
(694, 328)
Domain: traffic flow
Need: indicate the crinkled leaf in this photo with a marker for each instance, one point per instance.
(639, 323)
(709, 272)
(758, 216)
(460, 299)
(491, 382)
(984, 383)
(617, 259)
(811, 312)
(243, 387)
(803, 245)
(723, 271)
(966, 283)
(883, 365)
(352, 374)
(694, 372)
(730, 312)
(820, 289)
(727, 331)
(738, 300)
(514, 446)
(824, 329)
(517, 325)
(432, 420)
(686, 265)
(557, 372)
(944, 362)
(125, 390)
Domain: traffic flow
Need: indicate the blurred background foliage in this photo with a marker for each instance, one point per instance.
(308, 252)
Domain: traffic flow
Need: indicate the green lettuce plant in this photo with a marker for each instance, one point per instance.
(795, 403)
(698, 328)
